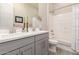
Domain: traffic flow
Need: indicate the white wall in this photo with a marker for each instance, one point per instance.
(22, 9)
(43, 14)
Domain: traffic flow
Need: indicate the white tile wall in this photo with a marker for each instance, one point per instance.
(63, 27)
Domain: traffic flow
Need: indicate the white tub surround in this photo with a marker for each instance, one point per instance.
(65, 25)
(64, 48)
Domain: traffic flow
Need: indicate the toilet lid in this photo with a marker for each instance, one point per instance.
(53, 41)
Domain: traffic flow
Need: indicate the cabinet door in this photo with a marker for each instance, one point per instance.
(27, 50)
(15, 52)
(42, 47)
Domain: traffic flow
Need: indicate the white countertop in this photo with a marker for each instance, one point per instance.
(15, 36)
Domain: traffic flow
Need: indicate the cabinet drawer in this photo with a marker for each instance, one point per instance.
(15, 52)
(27, 50)
(41, 36)
(11, 45)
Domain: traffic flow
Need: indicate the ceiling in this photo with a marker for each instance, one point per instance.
(35, 5)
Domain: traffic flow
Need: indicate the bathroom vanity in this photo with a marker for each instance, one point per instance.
(31, 43)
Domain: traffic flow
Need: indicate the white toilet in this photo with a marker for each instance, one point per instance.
(52, 46)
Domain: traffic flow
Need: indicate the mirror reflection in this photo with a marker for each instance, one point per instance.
(19, 17)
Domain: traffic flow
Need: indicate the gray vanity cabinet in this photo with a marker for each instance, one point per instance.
(35, 45)
(27, 50)
(16, 46)
(41, 44)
